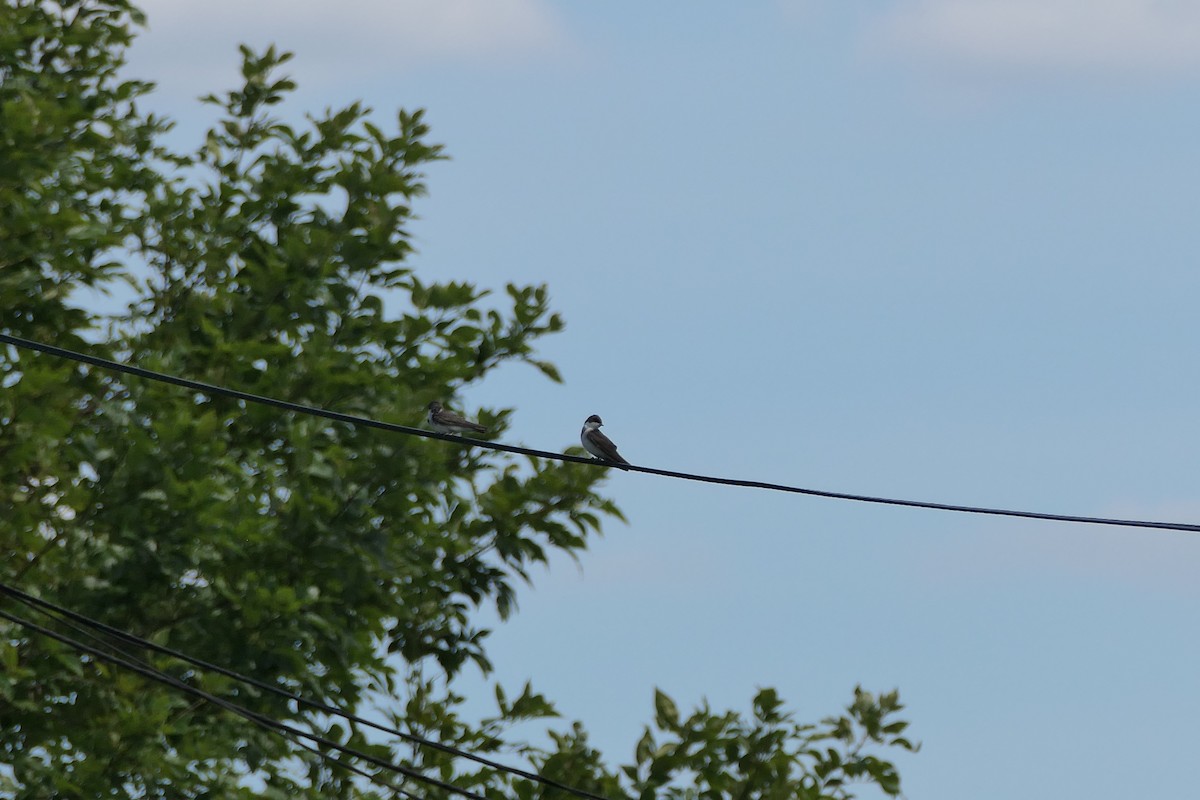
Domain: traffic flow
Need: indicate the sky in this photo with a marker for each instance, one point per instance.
(931, 249)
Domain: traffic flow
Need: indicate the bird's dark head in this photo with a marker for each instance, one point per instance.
(593, 420)
(435, 406)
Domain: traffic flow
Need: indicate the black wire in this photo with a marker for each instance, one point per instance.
(259, 719)
(37, 602)
(208, 388)
(62, 617)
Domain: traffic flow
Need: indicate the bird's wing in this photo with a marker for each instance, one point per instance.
(444, 417)
(605, 446)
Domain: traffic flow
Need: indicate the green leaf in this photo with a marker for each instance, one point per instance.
(666, 714)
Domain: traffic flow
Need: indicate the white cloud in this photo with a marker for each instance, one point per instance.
(341, 41)
(1065, 36)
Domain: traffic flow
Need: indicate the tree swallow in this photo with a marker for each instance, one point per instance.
(598, 444)
(444, 421)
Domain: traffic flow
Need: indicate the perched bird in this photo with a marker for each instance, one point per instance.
(444, 421)
(598, 444)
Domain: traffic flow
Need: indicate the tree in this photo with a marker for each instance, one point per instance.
(331, 560)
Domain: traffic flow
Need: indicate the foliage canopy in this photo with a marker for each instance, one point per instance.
(328, 560)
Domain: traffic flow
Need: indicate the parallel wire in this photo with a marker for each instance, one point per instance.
(253, 716)
(63, 617)
(38, 602)
(350, 419)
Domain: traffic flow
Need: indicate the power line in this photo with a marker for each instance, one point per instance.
(44, 608)
(259, 719)
(38, 602)
(350, 419)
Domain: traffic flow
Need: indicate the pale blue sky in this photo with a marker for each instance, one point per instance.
(937, 249)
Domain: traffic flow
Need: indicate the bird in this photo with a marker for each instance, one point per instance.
(444, 421)
(598, 444)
